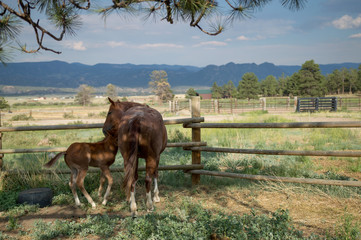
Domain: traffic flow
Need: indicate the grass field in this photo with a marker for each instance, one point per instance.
(218, 208)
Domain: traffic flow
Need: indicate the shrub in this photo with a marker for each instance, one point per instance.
(21, 117)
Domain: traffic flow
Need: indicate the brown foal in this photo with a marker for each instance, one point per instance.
(79, 156)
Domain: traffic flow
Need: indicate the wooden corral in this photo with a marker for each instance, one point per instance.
(197, 146)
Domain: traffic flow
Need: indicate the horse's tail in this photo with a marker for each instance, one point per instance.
(131, 165)
(54, 159)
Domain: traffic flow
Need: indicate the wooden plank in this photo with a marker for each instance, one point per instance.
(89, 126)
(278, 179)
(62, 149)
(119, 169)
(279, 152)
(353, 124)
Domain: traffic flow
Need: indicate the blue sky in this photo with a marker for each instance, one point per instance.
(327, 31)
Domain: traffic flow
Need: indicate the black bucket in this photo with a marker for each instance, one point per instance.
(41, 196)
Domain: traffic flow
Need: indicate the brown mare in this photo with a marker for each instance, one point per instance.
(79, 156)
(141, 134)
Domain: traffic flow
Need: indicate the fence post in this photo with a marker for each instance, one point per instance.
(264, 106)
(196, 136)
(1, 146)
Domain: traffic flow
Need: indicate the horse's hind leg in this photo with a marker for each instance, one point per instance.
(106, 173)
(156, 191)
(73, 176)
(80, 184)
(151, 171)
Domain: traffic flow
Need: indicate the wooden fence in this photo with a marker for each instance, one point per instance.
(279, 104)
(196, 123)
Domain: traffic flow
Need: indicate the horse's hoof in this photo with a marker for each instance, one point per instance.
(94, 206)
(134, 214)
(156, 199)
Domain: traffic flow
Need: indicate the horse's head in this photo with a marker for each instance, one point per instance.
(115, 115)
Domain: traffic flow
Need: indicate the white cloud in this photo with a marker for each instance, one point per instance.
(211, 43)
(243, 38)
(114, 44)
(346, 22)
(78, 46)
(158, 45)
(357, 35)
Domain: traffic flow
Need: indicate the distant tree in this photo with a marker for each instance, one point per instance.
(216, 91)
(84, 95)
(191, 92)
(334, 82)
(269, 86)
(248, 87)
(358, 82)
(311, 83)
(4, 104)
(351, 80)
(282, 85)
(160, 85)
(112, 91)
(293, 85)
(229, 90)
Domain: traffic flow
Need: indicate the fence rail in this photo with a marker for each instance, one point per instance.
(353, 124)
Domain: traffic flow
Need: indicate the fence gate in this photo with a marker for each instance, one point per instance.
(316, 104)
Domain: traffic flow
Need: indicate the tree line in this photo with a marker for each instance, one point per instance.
(307, 82)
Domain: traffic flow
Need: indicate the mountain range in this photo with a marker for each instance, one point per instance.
(70, 75)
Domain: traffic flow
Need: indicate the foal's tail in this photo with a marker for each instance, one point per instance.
(54, 159)
(131, 165)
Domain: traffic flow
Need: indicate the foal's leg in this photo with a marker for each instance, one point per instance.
(80, 184)
(73, 176)
(106, 173)
(102, 181)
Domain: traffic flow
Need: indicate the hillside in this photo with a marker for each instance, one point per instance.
(70, 75)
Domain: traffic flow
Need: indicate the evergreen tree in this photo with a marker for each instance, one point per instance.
(282, 85)
(216, 91)
(248, 87)
(334, 82)
(191, 92)
(293, 85)
(64, 17)
(269, 86)
(311, 82)
(358, 82)
(4, 104)
(351, 80)
(229, 90)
